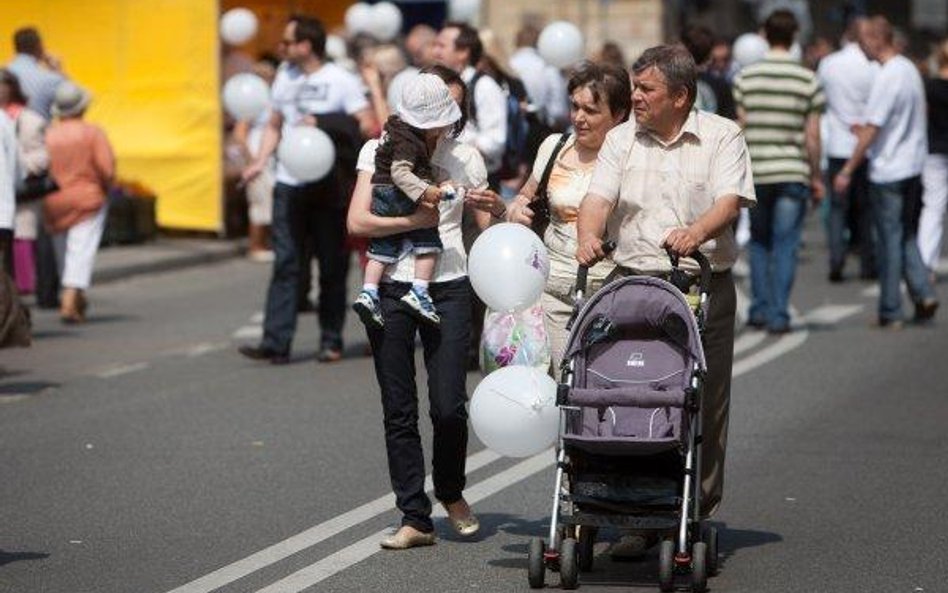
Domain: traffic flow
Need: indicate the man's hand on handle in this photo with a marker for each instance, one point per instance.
(682, 241)
(590, 250)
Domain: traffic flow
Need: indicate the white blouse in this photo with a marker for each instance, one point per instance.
(461, 165)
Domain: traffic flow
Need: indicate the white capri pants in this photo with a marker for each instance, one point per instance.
(76, 249)
(934, 201)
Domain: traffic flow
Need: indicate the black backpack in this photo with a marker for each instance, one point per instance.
(518, 126)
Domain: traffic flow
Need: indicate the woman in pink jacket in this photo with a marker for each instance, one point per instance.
(82, 164)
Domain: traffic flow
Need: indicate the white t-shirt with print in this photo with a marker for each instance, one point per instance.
(463, 166)
(331, 89)
(897, 106)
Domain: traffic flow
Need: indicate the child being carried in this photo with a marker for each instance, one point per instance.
(403, 181)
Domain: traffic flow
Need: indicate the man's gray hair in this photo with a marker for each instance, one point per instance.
(676, 65)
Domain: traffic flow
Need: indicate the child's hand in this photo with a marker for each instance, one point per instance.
(431, 197)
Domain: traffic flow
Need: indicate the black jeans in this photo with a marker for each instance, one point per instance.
(851, 211)
(300, 212)
(445, 352)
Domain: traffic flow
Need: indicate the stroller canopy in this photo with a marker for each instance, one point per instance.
(637, 304)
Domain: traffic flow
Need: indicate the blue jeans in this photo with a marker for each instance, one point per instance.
(775, 225)
(299, 213)
(895, 210)
(389, 200)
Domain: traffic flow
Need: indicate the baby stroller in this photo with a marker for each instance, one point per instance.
(630, 426)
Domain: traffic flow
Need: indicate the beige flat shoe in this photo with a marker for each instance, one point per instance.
(466, 525)
(407, 537)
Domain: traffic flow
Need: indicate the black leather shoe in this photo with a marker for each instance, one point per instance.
(261, 353)
(925, 310)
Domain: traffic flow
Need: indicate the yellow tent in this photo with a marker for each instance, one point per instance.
(153, 69)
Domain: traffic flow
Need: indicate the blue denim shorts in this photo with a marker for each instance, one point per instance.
(388, 200)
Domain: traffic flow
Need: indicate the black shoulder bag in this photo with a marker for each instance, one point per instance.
(541, 201)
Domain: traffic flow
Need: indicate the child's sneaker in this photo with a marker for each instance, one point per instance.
(420, 302)
(368, 309)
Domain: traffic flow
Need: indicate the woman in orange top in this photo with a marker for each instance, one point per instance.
(82, 164)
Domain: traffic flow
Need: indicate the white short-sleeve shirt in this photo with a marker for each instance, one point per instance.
(656, 187)
(331, 89)
(897, 106)
(461, 165)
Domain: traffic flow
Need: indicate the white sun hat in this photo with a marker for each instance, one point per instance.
(427, 103)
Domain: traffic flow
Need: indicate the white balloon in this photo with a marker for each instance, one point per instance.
(238, 26)
(336, 48)
(513, 411)
(359, 18)
(246, 96)
(307, 153)
(464, 10)
(749, 49)
(386, 21)
(508, 267)
(561, 44)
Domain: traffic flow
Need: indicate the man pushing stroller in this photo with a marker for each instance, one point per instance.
(673, 179)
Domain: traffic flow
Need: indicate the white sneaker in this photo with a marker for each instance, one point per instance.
(368, 309)
(422, 305)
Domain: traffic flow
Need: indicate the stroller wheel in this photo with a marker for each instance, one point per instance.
(709, 535)
(666, 566)
(699, 567)
(587, 539)
(536, 568)
(569, 564)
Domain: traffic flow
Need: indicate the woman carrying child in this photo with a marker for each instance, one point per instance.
(445, 347)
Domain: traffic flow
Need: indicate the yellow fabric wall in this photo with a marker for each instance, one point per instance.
(152, 67)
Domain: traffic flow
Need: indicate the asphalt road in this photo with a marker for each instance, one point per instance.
(141, 454)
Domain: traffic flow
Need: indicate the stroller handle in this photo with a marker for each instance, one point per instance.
(582, 272)
(704, 281)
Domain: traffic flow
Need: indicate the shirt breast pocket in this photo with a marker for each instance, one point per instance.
(696, 194)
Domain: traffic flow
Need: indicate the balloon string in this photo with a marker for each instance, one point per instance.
(535, 406)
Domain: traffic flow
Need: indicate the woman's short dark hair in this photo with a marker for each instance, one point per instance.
(676, 65)
(780, 28)
(312, 30)
(16, 91)
(604, 81)
(450, 77)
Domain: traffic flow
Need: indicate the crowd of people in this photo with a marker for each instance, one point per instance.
(55, 173)
(443, 136)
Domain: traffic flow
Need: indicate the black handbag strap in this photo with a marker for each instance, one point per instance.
(545, 178)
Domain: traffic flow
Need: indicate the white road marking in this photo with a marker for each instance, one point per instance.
(247, 332)
(312, 536)
(205, 348)
(786, 343)
(369, 546)
(122, 369)
(831, 314)
(747, 341)
(257, 318)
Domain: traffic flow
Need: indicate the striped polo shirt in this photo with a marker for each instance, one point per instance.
(777, 94)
